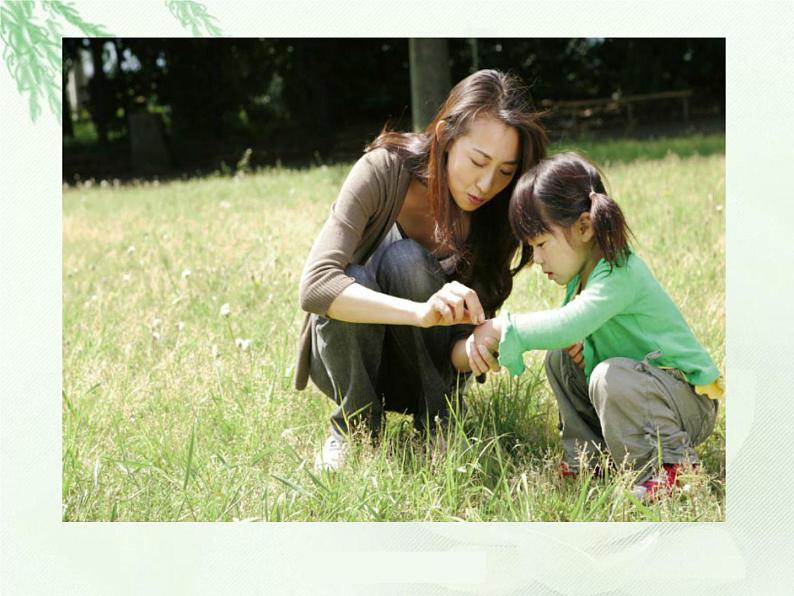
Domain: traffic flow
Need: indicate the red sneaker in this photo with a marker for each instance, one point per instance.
(662, 483)
(567, 472)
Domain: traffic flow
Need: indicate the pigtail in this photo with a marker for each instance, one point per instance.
(610, 228)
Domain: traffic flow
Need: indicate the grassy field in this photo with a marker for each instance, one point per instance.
(169, 413)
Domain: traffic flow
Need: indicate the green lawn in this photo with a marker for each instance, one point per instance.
(166, 416)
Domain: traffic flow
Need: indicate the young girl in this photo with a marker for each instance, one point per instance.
(639, 383)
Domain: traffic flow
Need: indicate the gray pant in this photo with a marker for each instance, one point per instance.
(632, 408)
(369, 368)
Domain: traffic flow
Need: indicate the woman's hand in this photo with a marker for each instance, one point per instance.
(576, 352)
(453, 304)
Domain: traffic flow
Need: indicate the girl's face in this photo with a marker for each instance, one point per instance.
(565, 253)
(481, 163)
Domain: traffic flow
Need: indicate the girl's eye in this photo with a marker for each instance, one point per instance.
(479, 165)
(506, 173)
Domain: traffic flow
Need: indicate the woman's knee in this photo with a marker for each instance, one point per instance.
(408, 270)
(362, 276)
(339, 333)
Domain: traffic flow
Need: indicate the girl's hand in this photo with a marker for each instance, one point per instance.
(453, 304)
(482, 347)
(576, 352)
(482, 356)
(489, 333)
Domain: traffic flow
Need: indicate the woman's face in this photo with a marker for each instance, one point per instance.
(482, 162)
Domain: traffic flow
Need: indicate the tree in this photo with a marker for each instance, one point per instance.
(430, 78)
(100, 109)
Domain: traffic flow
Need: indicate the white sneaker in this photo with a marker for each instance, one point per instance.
(333, 455)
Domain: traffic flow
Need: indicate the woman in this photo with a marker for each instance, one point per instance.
(416, 249)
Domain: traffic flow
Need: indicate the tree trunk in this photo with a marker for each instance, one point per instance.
(430, 78)
(475, 55)
(66, 105)
(98, 89)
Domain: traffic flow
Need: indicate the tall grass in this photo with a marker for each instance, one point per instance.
(169, 415)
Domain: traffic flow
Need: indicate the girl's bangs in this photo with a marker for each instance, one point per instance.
(529, 221)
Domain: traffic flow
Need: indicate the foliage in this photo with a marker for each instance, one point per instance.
(302, 90)
(194, 15)
(32, 50)
(180, 318)
(70, 15)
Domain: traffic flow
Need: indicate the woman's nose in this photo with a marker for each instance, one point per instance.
(484, 183)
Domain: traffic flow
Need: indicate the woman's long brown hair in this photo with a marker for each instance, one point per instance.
(484, 258)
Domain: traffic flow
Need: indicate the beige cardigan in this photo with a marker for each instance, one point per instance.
(364, 211)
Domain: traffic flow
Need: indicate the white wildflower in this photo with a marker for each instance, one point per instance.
(155, 336)
(180, 326)
(224, 204)
(104, 183)
(156, 323)
(243, 344)
(216, 354)
(125, 276)
(186, 273)
(131, 249)
(226, 310)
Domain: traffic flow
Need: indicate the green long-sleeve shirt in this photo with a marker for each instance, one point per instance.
(619, 313)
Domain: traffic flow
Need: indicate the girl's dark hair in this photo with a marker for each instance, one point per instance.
(484, 258)
(556, 192)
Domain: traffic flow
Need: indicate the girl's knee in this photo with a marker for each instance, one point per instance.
(611, 376)
(609, 370)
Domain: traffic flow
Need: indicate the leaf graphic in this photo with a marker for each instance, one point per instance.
(32, 51)
(194, 15)
(68, 12)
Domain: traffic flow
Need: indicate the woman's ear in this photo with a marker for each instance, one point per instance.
(440, 126)
(584, 225)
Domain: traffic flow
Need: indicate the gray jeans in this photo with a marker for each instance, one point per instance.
(631, 408)
(370, 368)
